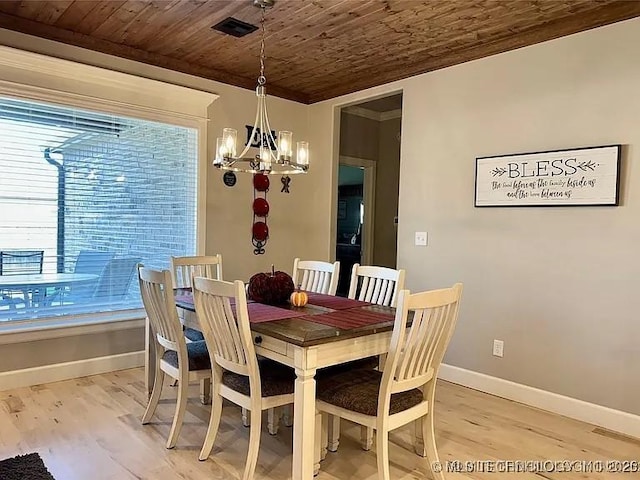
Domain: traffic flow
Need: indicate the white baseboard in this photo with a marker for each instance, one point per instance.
(65, 371)
(616, 420)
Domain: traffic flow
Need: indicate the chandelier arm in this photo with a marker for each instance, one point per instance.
(271, 138)
(261, 108)
(253, 132)
(267, 137)
(262, 116)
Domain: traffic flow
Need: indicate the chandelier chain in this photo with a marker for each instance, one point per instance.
(262, 79)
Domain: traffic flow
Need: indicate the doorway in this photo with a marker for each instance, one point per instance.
(350, 220)
(368, 185)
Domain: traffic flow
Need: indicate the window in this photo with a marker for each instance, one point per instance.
(84, 197)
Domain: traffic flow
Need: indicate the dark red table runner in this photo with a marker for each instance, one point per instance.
(259, 312)
(351, 318)
(318, 299)
(333, 302)
(348, 313)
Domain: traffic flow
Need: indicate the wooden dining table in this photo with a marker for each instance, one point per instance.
(327, 331)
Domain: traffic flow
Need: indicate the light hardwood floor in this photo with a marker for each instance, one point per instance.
(89, 428)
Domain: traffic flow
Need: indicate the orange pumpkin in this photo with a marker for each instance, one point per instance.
(299, 298)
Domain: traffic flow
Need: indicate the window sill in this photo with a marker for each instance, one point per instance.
(57, 327)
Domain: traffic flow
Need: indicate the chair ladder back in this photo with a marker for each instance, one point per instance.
(421, 346)
(314, 281)
(377, 290)
(158, 300)
(185, 268)
(227, 333)
(316, 276)
(377, 285)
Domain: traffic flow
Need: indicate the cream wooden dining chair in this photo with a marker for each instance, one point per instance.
(238, 376)
(379, 285)
(405, 390)
(316, 276)
(183, 269)
(185, 362)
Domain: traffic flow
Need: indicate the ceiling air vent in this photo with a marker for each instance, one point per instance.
(235, 27)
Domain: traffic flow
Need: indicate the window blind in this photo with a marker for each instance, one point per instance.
(95, 194)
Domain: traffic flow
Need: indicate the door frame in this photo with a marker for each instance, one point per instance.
(369, 201)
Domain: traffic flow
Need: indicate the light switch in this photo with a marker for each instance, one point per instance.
(421, 239)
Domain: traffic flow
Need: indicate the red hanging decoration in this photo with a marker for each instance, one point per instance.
(260, 230)
(260, 182)
(260, 207)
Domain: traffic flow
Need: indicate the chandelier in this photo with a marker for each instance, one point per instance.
(275, 156)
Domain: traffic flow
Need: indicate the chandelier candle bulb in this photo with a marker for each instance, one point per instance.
(303, 154)
(265, 159)
(229, 136)
(285, 142)
(221, 151)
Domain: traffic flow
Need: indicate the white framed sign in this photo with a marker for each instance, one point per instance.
(579, 176)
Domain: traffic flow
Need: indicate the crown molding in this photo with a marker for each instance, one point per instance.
(372, 114)
(391, 115)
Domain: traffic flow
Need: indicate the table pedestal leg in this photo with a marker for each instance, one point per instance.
(304, 419)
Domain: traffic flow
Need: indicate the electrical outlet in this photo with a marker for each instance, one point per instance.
(498, 348)
(421, 239)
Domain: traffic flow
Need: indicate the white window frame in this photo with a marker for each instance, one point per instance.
(31, 76)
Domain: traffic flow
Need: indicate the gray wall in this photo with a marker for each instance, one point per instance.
(558, 285)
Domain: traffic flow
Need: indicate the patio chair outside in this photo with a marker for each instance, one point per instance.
(19, 262)
(115, 281)
(92, 262)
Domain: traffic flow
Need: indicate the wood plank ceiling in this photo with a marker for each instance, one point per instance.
(316, 49)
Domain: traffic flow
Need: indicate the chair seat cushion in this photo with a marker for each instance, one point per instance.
(358, 390)
(198, 356)
(275, 379)
(193, 334)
